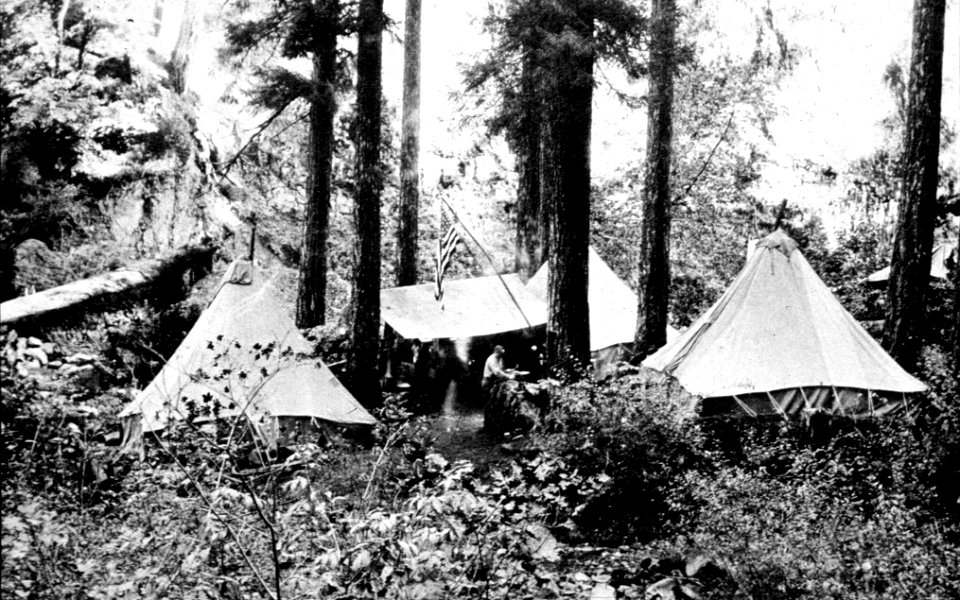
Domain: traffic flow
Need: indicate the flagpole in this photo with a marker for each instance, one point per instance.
(487, 256)
(438, 279)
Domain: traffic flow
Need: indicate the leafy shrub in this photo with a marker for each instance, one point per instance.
(799, 537)
(844, 510)
(862, 250)
(633, 441)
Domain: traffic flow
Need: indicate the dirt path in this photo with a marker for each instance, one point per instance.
(459, 435)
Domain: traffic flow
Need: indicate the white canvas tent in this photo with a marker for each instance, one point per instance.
(779, 342)
(938, 263)
(613, 310)
(241, 356)
(470, 308)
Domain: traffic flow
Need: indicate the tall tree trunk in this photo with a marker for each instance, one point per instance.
(364, 379)
(180, 57)
(653, 286)
(568, 106)
(913, 242)
(956, 314)
(408, 228)
(530, 228)
(312, 288)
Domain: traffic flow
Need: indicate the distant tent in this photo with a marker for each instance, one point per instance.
(613, 311)
(779, 342)
(241, 357)
(938, 263)
(470, 308)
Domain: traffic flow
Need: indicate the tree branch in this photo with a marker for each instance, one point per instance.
(706, 163)
(236, 538)
(263, 126)
(949, 205)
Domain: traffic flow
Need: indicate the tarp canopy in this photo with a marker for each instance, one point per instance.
(613, 305)
(470, 308)
(938, 263)
(779, 338)
(242, 357)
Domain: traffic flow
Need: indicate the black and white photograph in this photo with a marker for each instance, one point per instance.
(480, 299)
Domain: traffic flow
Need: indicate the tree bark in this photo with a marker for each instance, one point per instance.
(77, 294)
(408, 227)
(312, 288)
(956, 315)
(531, 227)
(568, 101)
(180, 57)
(653, 286)
(913, 242)
(364, 379)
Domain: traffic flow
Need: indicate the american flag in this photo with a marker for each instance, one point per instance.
(446, 244)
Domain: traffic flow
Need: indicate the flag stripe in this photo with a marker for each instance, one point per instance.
(446, 245)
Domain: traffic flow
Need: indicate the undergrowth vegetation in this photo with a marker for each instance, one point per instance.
(611, 484)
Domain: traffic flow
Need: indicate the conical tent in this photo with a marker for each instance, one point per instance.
(613, 305)
(778, 341)
(241, 357)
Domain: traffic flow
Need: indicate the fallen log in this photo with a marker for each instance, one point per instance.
(121, 281)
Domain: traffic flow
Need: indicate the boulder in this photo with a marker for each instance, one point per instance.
(705, 569)
(540, 543)
(86, 377)
(37, 267)
(671, 588)
(80, 359)
(36, 354)
(603, 591)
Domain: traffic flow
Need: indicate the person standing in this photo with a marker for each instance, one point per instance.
(493, 371)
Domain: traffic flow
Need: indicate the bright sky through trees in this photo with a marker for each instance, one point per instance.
(829, 109)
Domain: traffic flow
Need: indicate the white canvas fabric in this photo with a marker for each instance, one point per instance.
(780, 337)
(613, 305)
(470, 308)
(242, 356)
(938, 263)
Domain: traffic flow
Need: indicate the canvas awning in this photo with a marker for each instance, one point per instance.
(470, 308)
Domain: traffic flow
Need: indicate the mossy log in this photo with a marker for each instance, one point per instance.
(77, 294)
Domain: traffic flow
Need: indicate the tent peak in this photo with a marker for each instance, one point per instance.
(778, 240)
(240, 272)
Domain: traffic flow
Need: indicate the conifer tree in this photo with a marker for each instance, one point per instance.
(312, 282)
(653, 288)
(364, 377)
(408, 226)
(913, 243)
(542, 69)
(304, 29)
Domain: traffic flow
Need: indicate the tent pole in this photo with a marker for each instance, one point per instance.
(253, 237)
